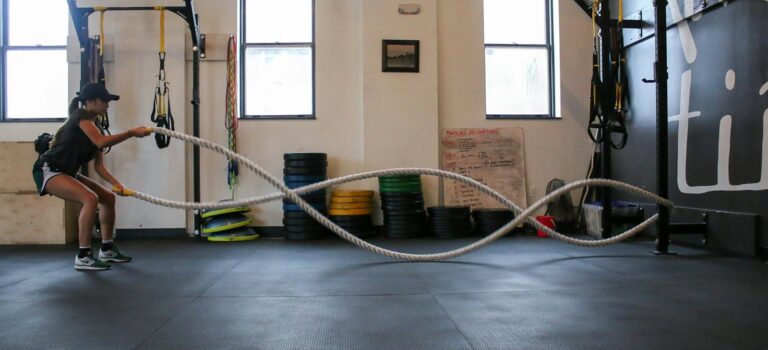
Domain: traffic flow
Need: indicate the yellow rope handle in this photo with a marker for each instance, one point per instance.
(125, 192)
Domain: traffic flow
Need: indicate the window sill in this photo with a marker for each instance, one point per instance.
(278, 117)
(521, 117)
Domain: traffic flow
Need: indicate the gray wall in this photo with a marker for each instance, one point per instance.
(718, 157)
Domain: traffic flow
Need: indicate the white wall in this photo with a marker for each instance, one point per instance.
(553, 148)
(366, 119)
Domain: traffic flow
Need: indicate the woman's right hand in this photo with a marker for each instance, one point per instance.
(140, 131)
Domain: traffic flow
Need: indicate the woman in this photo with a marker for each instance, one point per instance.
(76, 143)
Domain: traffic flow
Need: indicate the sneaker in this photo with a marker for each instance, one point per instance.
(113, 255)
(89, 263)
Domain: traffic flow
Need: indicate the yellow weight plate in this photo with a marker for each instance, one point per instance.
(349, 212)
(350, 199)
(352, 193)
(351, 205)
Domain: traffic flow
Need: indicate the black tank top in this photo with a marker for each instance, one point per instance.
(71, 147)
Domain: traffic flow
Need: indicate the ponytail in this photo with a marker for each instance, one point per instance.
(74, 105)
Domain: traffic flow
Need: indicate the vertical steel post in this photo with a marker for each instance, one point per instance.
(604, 22)
(662, 118)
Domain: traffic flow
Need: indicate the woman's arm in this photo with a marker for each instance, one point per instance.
(98, 165)
(102, 141)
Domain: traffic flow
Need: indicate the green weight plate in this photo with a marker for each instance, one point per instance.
(216, 212)
(225, 223)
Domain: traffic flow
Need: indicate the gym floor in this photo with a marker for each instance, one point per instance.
(518, 293)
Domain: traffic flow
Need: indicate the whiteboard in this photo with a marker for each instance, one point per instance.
(494, 157)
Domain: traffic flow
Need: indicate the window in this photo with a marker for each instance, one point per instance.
(518, 59)
(34, 60)
(277, 59)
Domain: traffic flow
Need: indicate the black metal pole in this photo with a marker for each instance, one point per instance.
(196, 133)
(606, 83)
(662, 118)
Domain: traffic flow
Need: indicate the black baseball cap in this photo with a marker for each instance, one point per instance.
(93, 91)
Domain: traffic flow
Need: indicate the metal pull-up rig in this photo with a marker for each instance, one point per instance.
(187, 12)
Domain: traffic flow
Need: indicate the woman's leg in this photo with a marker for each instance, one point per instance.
(107, 212)
(68, 188)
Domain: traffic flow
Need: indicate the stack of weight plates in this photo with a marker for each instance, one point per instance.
(450, 221)
(302, 169)
(402, 202)
(351, 209)
(228, 225)
(489, 220)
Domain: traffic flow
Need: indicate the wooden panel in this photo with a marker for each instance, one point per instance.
(31, 219)
(16, 160)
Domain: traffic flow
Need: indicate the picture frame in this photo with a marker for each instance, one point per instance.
(400, 56)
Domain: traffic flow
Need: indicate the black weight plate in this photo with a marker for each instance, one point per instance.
(306, 163)
(305, 171)
(449, 210)
(310, 200)
(295, 214)
(420, 218)
(300, 221)
(354, 219)
(305, 156)
(393, 195)
(403, 206)
(449, 217)
(406, 212)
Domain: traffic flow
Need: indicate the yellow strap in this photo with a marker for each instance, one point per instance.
(101, 29)
(621, 10)
(162, 27)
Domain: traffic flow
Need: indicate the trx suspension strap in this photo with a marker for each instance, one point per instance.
(617, 122)
(230, 121)
(161, 107)
(596, 119)
(96, 72)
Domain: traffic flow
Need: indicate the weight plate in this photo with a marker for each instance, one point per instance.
(351, 199)
(225, 222)
(340, 212)
(305, 156)
(216, 212)
(352, 193)
(305, 171)
(305, 163)
(351, 206)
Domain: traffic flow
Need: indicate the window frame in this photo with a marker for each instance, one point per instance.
(549, 46)
(4, 48)
(244, 45)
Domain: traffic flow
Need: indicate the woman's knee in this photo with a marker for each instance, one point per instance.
(108, 199)
(89, 199)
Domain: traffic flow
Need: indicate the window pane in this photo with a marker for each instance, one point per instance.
(37, 84)
(278, 81)
(38, 22)
(273, 21)
(517, 81)
(515, 22)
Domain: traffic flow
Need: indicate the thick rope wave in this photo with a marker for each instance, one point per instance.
(294, 195)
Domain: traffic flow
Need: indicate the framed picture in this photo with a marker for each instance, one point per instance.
(400, 56)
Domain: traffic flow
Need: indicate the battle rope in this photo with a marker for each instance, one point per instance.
(161, 106)
(294, 195)
(230, 121)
